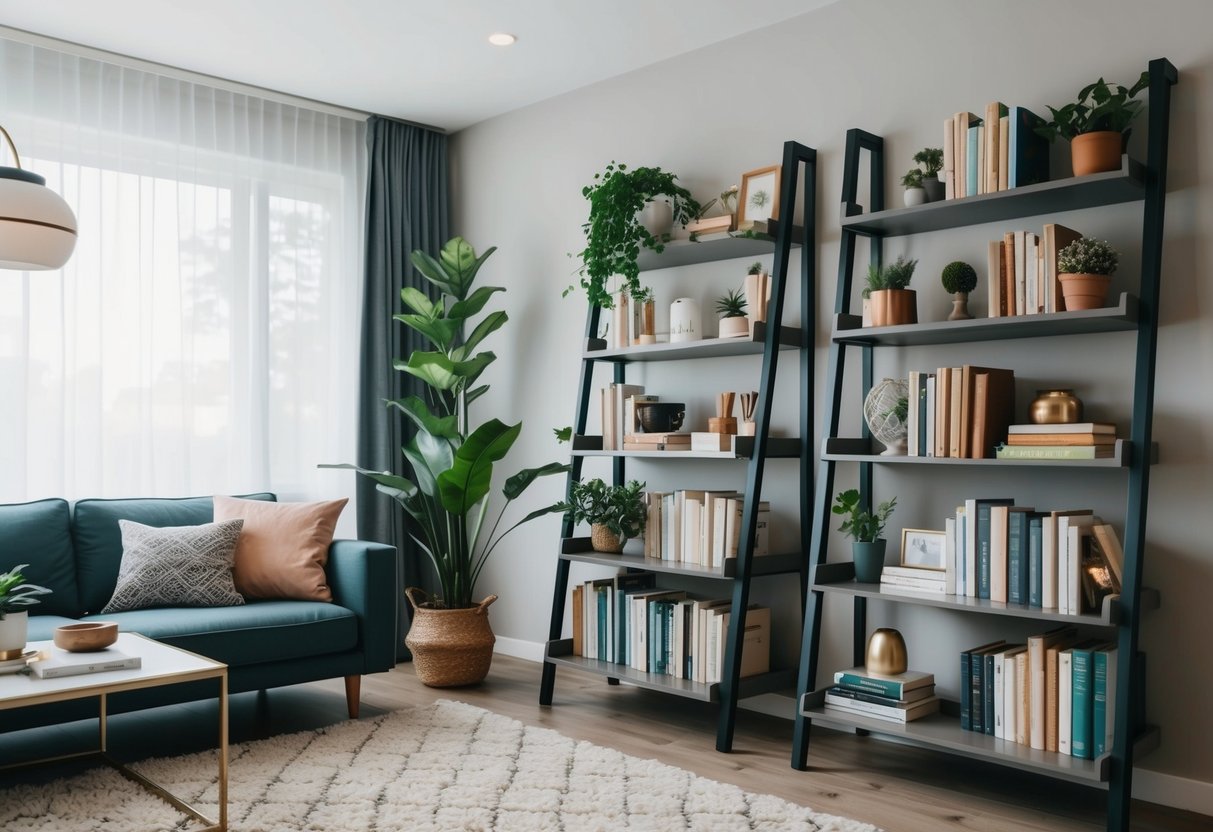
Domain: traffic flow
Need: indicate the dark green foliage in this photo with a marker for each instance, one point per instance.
(912, 178)
(896, 275)
(15, 593)
(958, 276)
(861, 525)
(620, 508)
(931, 159)
(731, 305)
(755, 267)
(1100, 106)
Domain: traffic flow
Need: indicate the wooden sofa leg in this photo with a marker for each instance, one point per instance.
(353, 686)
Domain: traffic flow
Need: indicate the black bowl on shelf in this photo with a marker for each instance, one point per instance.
(660, 417)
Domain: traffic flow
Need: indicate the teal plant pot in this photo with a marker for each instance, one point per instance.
(869, 560)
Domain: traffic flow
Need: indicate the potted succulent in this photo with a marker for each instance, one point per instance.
(915, 194)
(892, 302)
(615, 513)
(447, 492)
(615, 230)
(1084, 268)
(959, 278)
(1097, 125)
(15, 595)
(931, 160)
(865, 529)
(731, 308)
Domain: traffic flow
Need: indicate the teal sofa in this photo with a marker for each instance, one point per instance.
(76, 550)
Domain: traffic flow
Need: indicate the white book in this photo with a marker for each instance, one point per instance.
(970, 553)
(1065, 700)
(668, 540)
(1010, 689)
(1079, 530)
(1032, 303)
(56, 663)
(692, 528)
(1060, 552)
(949, 555)
(912, 414)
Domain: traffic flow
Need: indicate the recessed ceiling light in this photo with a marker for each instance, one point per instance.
(502, 39)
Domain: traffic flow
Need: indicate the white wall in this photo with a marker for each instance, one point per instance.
(896, 69)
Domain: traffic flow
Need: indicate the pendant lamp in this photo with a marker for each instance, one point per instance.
(37, 228)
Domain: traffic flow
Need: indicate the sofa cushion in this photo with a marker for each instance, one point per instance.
(176, 566)
(39, 534)
(99, 541)
(265, 631)
(42, 627)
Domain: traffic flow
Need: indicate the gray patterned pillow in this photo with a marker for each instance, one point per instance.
(176, 566)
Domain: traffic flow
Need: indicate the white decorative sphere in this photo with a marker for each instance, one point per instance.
(886, 410)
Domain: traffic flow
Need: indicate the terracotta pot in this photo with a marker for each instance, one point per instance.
(1096, 152)
(605, 540)
(1084, 291)
(450, 647)
(894, 306)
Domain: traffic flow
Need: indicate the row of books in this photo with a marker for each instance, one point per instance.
(1022, 271)
(1067, 560)
(994, 152)
(700, 527)
(904, 697)
(959, 411)
(1055, 693)
(619, 413)
(627, 620)
(1080, 440)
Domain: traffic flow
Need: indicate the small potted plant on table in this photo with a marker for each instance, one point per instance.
(615, 513)
(892, 302)
(865, 529)
(15, 595)
(1085, 269)
(731, 308)
(931, 159)
(959, 278)
(1097, 125)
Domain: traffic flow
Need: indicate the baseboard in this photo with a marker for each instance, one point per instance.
(532, 651)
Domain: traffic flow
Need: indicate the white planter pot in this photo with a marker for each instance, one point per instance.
(915, 196)
(685, 321)
(657, 217)
(734, 327)
(14, 630)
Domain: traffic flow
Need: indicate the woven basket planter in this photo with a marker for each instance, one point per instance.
(450, 647)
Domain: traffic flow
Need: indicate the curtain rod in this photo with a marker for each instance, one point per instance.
(80, 50)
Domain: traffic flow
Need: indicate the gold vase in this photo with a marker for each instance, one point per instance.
(1055, 407)
(886, 654)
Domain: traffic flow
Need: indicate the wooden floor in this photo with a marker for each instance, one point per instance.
(895, 787)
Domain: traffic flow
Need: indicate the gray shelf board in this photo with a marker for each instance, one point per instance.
(839, 449)
(789, 338)
(942, 731)
(560, 652)
(777, 448)
(1127, 184)
(579, 549)
(849, 329)
(688, 253)
(840, 578)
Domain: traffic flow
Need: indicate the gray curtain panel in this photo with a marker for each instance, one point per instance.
(407, 209)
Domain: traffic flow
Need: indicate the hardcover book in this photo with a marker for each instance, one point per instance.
(55, 663)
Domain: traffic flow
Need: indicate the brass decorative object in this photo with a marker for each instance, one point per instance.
(886, 654)
(1055, 407)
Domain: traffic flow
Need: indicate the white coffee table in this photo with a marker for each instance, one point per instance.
(162, 665)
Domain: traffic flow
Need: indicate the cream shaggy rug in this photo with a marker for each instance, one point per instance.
(445, 766)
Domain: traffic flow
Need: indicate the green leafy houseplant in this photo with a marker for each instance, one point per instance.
(619, 508)
(15, 593)
(912, 178)
(896, 275)
(860, 525)
(958, 276)
(613, 231)
(731, 305)
(1087, 256)
(451, 463)
(931, 160)
(1100, 106)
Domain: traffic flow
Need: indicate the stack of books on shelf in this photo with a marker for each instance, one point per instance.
(1021, 274)
(996, 151)
(627, 620)
(621, 430)
(904, 697)
(959, 412)
(900, 579)
(1065, 560)
(1083, 440)
(1055, 693)
(702, 528)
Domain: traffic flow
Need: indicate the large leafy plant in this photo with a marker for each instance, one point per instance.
(15, 593)
(1100, 106)
(613, 233)
(451, 463)
(618, 507)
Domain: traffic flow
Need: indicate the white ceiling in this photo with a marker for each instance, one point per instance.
(428, 62)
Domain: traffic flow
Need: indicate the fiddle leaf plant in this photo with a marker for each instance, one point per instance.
(15, 593)
(451, 463)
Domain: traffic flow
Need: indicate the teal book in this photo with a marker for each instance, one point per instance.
(656, 652)
(1082, 703)
(1027, 151)
(987, 693)
(1017, 557)
(1035, 560)
(625, 585)
(983, 545)
(972, 172)
(966, 691)
(894, 686)
(1103, 698)
(667, 636)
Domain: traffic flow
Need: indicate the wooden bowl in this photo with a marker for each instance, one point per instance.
(87, 637)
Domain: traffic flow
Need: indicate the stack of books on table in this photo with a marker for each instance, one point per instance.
(1082, 440)
(904, 697)
(657, 442)
(900, 579)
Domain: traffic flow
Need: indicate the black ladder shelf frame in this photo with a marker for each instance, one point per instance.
(774, 337)
(1115, 768)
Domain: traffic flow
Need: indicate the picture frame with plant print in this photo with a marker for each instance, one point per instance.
(759, 198)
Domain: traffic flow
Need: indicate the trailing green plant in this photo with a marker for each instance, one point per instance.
(451, 464)
(931, 159)
(861, 525)
(1087, 256)
(1100, 106)
(958, 276)
(731, 305)
(620, 508)
(613, 231)
(755, 268)
(912, 178)
(896, 275)
(15, 593)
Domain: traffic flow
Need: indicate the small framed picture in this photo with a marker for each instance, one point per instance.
(759, 198)
(923, 549)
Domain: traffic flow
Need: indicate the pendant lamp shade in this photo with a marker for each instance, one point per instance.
(37, 228)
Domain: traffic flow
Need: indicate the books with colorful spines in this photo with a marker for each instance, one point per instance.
(624, 587)
(1055, 452)
(56, 663)
(1027, 152)
(889, 713)
(894, 686)
(1056, 237)
(1082, 703)
(983, 538)
(972, 694)
(1037, 645)
(1103, 696)
(1000, 550)
(638, 622)
(974, 157)
(1018, 555)
(1015, 440)
(993, 407)
(912, 696)
(1036, 559)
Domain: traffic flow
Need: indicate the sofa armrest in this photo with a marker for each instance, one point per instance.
(362, 576)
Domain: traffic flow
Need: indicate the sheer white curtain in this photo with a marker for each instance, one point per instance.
(204, 336)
